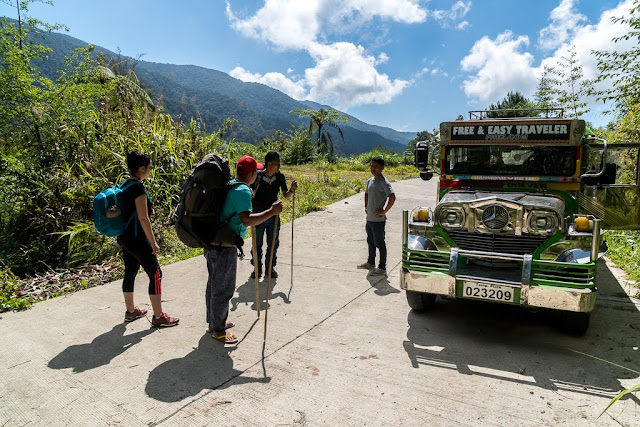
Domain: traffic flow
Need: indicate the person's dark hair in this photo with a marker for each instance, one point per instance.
(379, 160)
(271, 156)
(136, 160)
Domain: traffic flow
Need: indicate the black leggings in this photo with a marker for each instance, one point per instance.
(136, 253)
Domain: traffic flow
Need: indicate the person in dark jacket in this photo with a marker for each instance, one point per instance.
(266, 190)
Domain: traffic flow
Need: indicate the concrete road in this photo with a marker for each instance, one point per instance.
(341, 349)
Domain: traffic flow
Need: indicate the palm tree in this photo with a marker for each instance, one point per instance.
(318, 122)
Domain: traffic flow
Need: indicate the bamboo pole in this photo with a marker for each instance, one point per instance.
(254, 250)
(293, 218)
(273, 244)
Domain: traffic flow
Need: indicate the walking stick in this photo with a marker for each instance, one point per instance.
(254, 250)
(273, 244)
(293, 218)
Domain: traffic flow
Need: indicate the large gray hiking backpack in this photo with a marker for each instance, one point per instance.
(201, 201)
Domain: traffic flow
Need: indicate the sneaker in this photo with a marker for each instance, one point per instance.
(135, 314)
(274, 273)
(378, 272)
(366, 266)
(253, 273)
(164, 320)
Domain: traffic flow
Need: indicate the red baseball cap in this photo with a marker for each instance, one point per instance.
(247, 164)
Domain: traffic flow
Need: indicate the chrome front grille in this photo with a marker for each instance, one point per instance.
(495, 217)
(508, 244)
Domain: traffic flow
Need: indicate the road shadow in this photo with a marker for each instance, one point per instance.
(514, 344)
(382, 285)
(99, 352)
(246, 294)
(208, 366)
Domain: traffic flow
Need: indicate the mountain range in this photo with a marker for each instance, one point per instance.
(189, 91)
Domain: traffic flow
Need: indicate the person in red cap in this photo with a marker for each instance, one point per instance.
(222, 259)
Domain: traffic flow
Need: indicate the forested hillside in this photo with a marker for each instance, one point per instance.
(211, 96)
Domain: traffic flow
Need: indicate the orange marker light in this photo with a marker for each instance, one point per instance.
(582, 224)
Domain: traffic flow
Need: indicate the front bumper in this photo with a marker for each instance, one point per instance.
(553, 297)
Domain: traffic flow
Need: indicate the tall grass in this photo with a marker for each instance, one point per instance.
(624, 250)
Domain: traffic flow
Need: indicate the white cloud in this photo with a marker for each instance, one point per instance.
(345, 76)
(565, 20)
(596, 37)
(294, 89)
(287, 24)
(294, 24)
(438, 71)
(500, 67)
(454, 16)
(383, 58)
(420, 73)
(407, 11)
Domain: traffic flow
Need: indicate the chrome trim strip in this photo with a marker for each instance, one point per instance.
(405, 226)
(453, 262)
(490, 255)
(595, 240)
(527, 261)
(488, 280)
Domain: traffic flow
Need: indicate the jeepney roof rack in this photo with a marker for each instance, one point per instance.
(532, 113)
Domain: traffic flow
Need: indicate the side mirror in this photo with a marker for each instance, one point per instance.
(426, 174)
(421, 155)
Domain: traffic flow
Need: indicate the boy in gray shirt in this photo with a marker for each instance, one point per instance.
(378, 192)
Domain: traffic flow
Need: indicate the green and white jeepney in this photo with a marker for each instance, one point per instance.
(520, 210)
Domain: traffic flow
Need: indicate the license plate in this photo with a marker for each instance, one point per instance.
(488, 291)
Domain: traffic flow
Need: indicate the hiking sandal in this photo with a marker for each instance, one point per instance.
(226, 338)
(228, 325)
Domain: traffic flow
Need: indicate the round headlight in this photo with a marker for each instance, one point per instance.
(542, 222)
(451, 217)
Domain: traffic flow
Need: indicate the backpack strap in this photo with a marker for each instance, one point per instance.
(231, 186)
(123, 186)
(257, 183)
(238, 241)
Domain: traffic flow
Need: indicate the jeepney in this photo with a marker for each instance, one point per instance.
(520, 212)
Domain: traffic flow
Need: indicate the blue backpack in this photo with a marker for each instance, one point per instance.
(107, 210)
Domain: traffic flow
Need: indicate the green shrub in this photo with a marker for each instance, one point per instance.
(624, 250)
(11, 297)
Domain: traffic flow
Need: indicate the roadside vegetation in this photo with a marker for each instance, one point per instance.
(63, 141)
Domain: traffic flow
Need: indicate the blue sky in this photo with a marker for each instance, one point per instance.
(405, 64)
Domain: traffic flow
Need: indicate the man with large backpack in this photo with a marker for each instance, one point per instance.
(222, 257)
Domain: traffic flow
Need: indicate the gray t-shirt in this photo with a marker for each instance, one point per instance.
(378, 191)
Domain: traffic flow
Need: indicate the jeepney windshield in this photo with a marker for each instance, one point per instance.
(510, 160)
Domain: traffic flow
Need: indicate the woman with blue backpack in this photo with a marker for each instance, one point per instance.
(139, 246)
